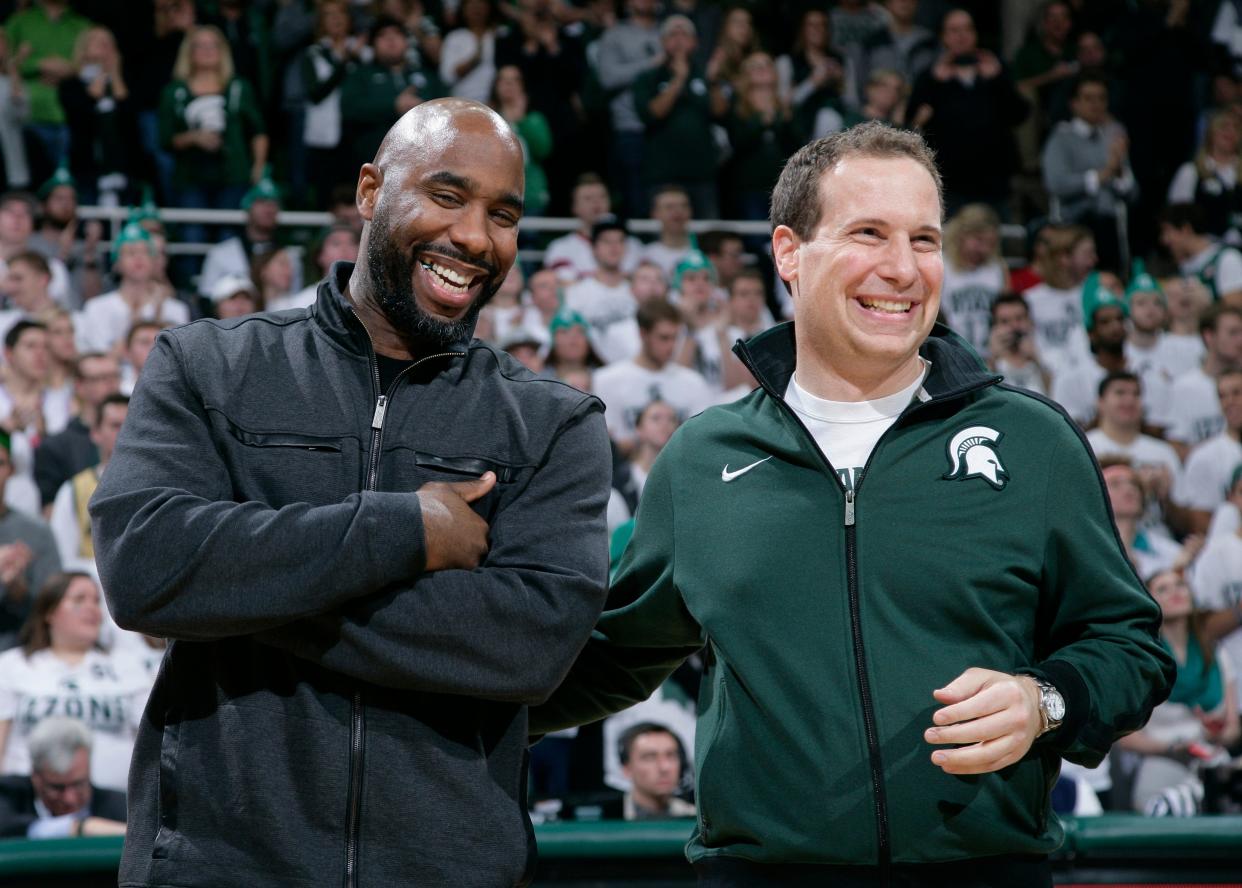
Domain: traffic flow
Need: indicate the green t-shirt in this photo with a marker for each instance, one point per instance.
(48, 38)
(679, 147)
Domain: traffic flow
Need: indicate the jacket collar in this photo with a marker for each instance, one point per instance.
(955, 368)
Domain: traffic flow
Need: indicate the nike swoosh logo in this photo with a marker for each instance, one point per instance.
(726, 475)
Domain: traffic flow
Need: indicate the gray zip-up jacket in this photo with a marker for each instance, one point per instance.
(328, 713)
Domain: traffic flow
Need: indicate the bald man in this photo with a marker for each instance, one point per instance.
(373, 541)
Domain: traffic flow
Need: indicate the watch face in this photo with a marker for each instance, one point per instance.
(1054, 703)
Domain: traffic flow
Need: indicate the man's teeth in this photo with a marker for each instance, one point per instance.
(887, 305)
(451, 280)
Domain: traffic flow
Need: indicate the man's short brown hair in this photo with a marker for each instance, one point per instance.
(795, 200)
(653, 311)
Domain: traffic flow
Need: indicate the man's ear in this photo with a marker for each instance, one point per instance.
(370, 178)
(785, 253)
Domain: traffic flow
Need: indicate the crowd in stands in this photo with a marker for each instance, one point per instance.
(1112, 136)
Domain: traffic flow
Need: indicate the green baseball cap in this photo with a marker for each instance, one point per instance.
(695, 260)
(132, 233)
(62, 176)
(1095, 296)
(1142, 282)
(264, 189)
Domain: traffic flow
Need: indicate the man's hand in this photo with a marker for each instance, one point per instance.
(455, 537)
(994, 713)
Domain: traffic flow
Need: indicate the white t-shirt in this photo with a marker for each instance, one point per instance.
(303, 298)
(666, 257)
(966, 298)
(1181, 352)
(572, 257)
(1225, 520)
(21, 492)
(107, 318)
(1060, 337)
(1228, 267)
(847, 431)
(1076, 387)
(626, 388)
(1142, 451)
(460, 45)
(1194, 408)
(1217, 584)
(609, 312)
(99, 691)
(1205, 480)
(1156, 373)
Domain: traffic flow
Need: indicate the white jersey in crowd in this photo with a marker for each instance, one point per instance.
(847, 431)
(100, 691)
(710, 360)
(1226, 519)
(610, 315)
(966, 298)
(626, 388)
(1228, 273)
(1181, 352)
(106, 319)
(21, 492)
(1209, 466)
(507, 319)
(1156, 372)
(1142, 451)
(1060, 337)
(572, 257)
(666, 257)
(1194, 408)
(1217, 584)
(1076, 386)
(1028, 376)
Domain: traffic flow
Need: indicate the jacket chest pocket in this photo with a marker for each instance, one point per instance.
(405, 469)
(281, 468)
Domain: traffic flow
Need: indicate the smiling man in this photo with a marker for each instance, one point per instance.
(911, 593)
(373, 542)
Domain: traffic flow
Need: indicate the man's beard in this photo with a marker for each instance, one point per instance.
(392, 275)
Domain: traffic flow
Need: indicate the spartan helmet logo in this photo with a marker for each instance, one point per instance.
(972, 454)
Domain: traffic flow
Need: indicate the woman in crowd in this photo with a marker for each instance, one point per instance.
(736, 42)
(211, 121)
(812, 75)
(468, 59)
(60, 669)
(762, 133)
(974, 273)
(1198, 720)
(654, 426)
(1067, 257)
(1211, 180)
(510, 101)
(62, 350)
(324, 66)
(571, 353)
(884, 99)
(272, 273)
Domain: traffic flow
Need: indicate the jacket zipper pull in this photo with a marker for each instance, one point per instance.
(377, 421)
(849, 508)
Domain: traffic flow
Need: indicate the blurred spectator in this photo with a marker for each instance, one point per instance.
(60, 670)
(1075, 385)
(509, 100)
(103, 124)
(1187, 300)
(736, 41)
(670, 206)
(1148, 552)
(854, 21)
(211, 121)
(324, 65)
(901, 45)
(338, 243)
(625, 51)
(233, 257)
(604, 299)
(726, 252)
(571, 353)
(678, 106)
(59, 457)
(967, 107)
(27, 556)
(653, 760)
(745, 314)
(422, 22)
(1011, 350)
(468, 57)
(626, 386)
(974, 273)
(149, 71)
(139, 295)
(655, 425)
(1067, 258)
(648, 282)
(1217, 581)
(50, 28)
(70, 522)
(62, 348)
(14, 113)
(884, 99)
(543, 299)
(234, 296)
(26, 285)
(1195, 410)
(696, 296)
(1086, 170)
(1147, 345)
(1201, 712)
(1047, 59)
(572, 255)
(763, 136)
(60, 236)
(17, 216)
(812, 75)
(1210, 465)
(375, 94)
(526, 346)
(138, 344)
(707, 17)
(57, 800)
(504, 312)
(29, 410)
(273, 276)
(1210, 180)
(1184, 233)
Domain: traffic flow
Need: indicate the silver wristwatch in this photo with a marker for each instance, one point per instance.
(1051, 706)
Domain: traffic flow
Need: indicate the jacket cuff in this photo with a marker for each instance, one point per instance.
(1073, 689)
(395, 532)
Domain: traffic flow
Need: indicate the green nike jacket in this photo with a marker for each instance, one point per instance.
(978, 534)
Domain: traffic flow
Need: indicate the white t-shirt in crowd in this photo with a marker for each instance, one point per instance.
(610, 315)
(626, 388)
(1228, 267)
(1194, 408)
(1181, 352)
(1156, 372)
(460, 45)
(966, 298)
(1205, 480)
(1142, 451)
(1225, 520)
(99, 691)
(106, 319)
(847, 431)
(1060, 337)
(1028, 376)
(572, 256)
(1076, 387)
(666, 257)
(1217, 584)
(303, 298)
